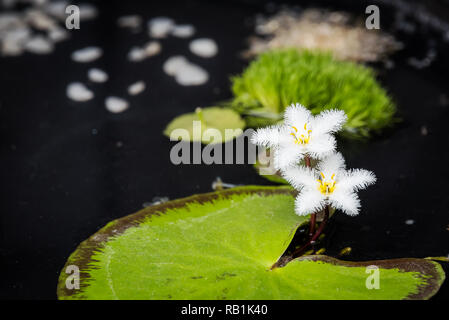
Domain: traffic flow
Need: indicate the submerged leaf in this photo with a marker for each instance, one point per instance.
(227, 122)
(221, 245)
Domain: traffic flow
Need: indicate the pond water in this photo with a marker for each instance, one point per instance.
(69, 168)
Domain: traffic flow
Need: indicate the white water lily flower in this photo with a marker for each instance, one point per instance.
(301, 134)
(329, 184)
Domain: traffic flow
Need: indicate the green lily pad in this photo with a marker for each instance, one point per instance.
(227, 122)
(221, 245)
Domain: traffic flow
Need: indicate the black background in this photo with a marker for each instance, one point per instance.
(64, 175)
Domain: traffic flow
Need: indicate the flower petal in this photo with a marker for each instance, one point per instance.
(333, 163)
(296, 115)
(300, 177)
(329, 121)
(287, 155)
(309, 201)
(348, 202)
(267, 137)
(321, 146)
(356, 179)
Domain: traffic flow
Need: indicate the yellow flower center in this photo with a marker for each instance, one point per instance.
(302, 137)
(326, 186)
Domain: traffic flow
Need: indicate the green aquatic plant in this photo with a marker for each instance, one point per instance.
(222, 245)
(193, 126)
(279, 78)
(301, 139)
(236, 244)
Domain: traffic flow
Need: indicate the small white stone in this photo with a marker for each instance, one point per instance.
(185, 72)
(88, 54)
(172, 64)
(12, 42)
(204, 47)
(78, 92)
(424, 131)
(183, 30)
(39, 20)
(116, 105)
(10, 21)
(160, 27)
(191, 75)
(136, 54)
(18, 34)
(409, 222)
(152, 48)
(97, 75)
(136, 88)
(11, 48)
(131, 21)
(57, 9)
(87, 11)
(39, 45)
(57, 34)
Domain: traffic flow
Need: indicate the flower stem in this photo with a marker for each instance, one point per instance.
(307, 161)
(199, 113)
(312, 224)
(317, 234)
(313, 215)
(300, 251)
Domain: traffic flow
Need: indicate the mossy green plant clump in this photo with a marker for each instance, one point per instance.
(277, 79)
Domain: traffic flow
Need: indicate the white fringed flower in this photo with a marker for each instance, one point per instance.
(301, 134)
(328, 184)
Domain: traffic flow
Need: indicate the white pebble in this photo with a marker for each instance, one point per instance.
(78, 92)
(11, 48)
(87, 11)
(136, 54)
(160, 27)
(97, 75)
(57, 34)
(204, 47)
(191, 75)
(136, 88)
(88, 54)
(39, 19)
(57, 9)
(409, 222)
(39, 45)
(185, 72)
(131, 21)
(116, 105)
(10, 20)
(183, 31)
(12, 42)
(152, 48)
(172, 64)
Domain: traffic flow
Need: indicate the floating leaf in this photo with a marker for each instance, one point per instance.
(196, 124)
(221, 245)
